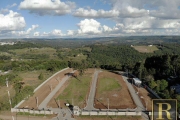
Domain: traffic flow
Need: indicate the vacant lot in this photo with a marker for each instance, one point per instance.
(146, 97)
(75, 91)
(44, 91)
(112, 90)
(145, 49)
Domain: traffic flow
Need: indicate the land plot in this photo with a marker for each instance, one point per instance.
(75, 91)
(43, 92)
(112, 90)
(146, 97)
(145, 49)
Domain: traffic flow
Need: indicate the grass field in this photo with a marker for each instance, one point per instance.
(77, 90)
(145, 49)
(108, 84)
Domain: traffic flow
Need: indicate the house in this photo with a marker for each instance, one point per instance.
(175, 87)
(137, 81)
(171, 78)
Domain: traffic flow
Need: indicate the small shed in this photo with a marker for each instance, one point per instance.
(137, 81)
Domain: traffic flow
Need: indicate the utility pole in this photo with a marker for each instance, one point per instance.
(59, 103)
(37, 101)
(108, 103)
(7, 83)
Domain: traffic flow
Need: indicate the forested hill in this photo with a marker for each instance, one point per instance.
(109, 57)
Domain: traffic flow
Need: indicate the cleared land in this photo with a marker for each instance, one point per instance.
(43, 91)
(75, 91)
(146, 97)
(145, 49)
(111, 87)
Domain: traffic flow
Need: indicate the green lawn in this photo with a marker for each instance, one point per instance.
(108, 84)
(76, 91)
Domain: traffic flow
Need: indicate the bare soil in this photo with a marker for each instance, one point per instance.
(117, 99)
(43, 92)
(146, 97)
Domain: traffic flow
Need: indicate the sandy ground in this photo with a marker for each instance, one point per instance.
(53, 103)
(43, 91)
(117, 99)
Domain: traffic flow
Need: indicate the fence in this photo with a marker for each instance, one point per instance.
(111, 113)
(45, 112)
(151, 91)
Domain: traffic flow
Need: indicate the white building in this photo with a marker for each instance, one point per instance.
(137, 81)
(7, 43)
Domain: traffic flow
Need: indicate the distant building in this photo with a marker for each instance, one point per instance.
(137, 81)
(172, 78)
(7, 43)
(176, 88)
(150, 45)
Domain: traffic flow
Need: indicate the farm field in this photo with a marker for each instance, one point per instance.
(75, 91)
(35, 51)
(112, 88)
(145, 49)
(43, 91)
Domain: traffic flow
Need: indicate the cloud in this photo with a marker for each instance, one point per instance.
(11, 21)
(47, 7)
(32, 28)
(91, 13)
(53, 33)
(89, 26)
(4, 11)
(56, 32)
(36, 34)
(13, 5)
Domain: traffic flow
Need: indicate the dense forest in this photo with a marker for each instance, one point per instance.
(152, 68)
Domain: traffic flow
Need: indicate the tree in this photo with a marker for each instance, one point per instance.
(41, 76)
(163, 85)
(152, 84)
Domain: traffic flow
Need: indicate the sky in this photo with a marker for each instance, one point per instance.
(88, 18)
